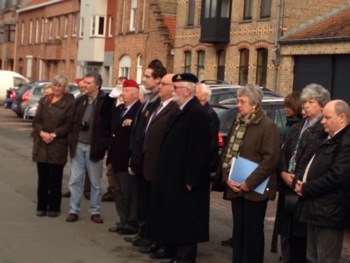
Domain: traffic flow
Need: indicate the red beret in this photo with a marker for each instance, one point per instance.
(129, 83)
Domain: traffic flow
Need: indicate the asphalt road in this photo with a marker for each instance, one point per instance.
(25, 238)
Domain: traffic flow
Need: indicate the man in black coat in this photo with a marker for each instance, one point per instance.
(325, 187)
(179, 213)
(125, 192)
(203, 93)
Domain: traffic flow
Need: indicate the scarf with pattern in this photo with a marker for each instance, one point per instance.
(236, 140)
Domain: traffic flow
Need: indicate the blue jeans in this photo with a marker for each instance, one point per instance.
(81, 162)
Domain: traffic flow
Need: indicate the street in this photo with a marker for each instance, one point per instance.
(25, 238)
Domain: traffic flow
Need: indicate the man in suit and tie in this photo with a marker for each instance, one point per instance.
(125, 192)
(156, 128)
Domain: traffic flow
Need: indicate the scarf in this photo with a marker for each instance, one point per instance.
(236, 140)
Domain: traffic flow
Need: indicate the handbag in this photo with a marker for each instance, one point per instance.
(290, 201)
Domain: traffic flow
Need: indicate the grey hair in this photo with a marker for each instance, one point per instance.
(342, 107)
(191, 86)
(206, 90)
(253, 92)
(317, 92)
(60, 80)
(97, 77)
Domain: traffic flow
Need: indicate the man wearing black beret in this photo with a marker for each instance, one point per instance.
(179, 214)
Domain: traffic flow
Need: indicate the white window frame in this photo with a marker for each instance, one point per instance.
(65, 29)
(139, 69)
(133, 15)
(125, 66)
(50, 28)
(30, 32)
(42, 36)
(110, 23)
(37, 31)
(58, 27)
(95, 26)
(81, 27)
(75, 24)
(22, 33)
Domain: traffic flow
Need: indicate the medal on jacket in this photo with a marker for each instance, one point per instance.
(146, 114)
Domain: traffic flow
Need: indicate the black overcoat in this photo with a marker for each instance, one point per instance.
(180, 216)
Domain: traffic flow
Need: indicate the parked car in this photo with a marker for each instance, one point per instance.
(274, 109)
(29, 112)
(225, 93)
(22, 95)
(9, 79)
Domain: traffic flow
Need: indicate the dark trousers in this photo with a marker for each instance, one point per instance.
(145, 192)
(125, 197)
(186, 253)
(297, 247)
(49, 187)
(248, 231)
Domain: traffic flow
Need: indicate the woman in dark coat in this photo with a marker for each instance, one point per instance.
(297, 150)
(254, 137)
(51, 125)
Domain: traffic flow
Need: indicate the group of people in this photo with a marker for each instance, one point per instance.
(162, 147)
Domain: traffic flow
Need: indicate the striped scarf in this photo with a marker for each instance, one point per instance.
(236, 140)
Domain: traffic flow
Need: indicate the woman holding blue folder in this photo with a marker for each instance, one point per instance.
(254, 138)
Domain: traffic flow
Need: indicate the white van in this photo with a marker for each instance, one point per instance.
(9, 79)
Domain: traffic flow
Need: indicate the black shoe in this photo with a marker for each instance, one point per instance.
(53, 214)
(142, 242)
(161, 253)
(40, 213)
(132, 239)
(227, 243)
(153, 247)
(66, 194)
(126, 231)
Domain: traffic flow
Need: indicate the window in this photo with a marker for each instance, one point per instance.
(2, 34)
(124, 66)
(98, 25)
(75, 24)
(58, 27)
(37, 31)
(248, 9)
(220, 74)
(200, 65)
(10, 33)
(210, 8)
(50, 28)
(81, 32)
(110, 23)
(191, 11)
(243, 67)
(65, 33)
(188, 61)
(30, 32)
(133, 15)
(225, 8)
(139, 69)
(22, 33)
(261, 71)
(265, 9)
(42, 36)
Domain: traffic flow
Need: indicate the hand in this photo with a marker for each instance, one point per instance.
(46, 137)
(244, 187)
(189, 187)
(130, 171)
(287, 178)
(299, 187)
(115, 93)
(234, 186)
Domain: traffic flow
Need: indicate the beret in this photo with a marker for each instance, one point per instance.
(129, 83)
(186, 77)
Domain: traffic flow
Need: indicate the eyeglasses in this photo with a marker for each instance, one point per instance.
(166, 84)
(242, 102)
(179, 87)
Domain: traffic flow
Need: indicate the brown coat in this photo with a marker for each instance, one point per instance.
(261, 144)
(57, 118)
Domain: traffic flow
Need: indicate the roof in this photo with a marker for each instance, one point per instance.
(333, 28)
(36, 2)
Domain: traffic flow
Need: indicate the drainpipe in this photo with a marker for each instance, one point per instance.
(276, 59)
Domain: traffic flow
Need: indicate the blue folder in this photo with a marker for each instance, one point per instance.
(241, 168)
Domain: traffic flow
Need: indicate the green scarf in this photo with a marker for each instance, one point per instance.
(240, 126)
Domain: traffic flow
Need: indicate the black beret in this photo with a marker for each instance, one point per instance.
(187, 77)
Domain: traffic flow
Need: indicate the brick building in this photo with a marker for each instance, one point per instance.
(145, 31)
(47, 38)
(237, 41)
